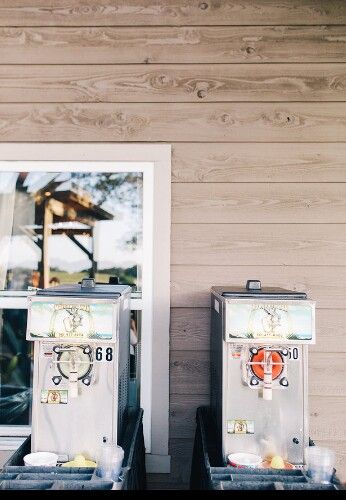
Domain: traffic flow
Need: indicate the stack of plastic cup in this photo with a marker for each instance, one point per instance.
(321, 463)
(110, 461)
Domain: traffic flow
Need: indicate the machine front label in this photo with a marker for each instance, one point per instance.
(240, 426)
(54, 396)
(49, 320)
(264, 321)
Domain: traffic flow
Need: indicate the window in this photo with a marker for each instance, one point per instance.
(70, 211)
(58, 227)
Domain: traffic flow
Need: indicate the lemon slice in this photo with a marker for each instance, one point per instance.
(79, 461)
(277, 462)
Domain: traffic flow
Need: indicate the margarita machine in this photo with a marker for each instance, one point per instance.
(259, 361)
(81, 366)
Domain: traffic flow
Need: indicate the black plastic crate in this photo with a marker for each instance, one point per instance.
(16, 476)
(209, 473)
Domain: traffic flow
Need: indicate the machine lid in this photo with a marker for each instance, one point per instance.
(254, 290)
(86, 288)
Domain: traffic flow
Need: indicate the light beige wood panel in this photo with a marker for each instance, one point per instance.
(189, 372)
(190, 285)
(182, 414)
(250, 44)
(327, 373)
(190, 329)
(238, 162)
(260, 244)
(170, 12)
(170, 122)
(326, 416)
(173, 83)
(259, 203)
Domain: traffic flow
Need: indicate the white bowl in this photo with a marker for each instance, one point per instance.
(41, 459)
(244, 460)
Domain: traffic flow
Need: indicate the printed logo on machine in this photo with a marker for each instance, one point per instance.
(240, 426)
(54, 396)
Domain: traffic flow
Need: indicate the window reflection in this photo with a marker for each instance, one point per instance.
(15, 368)
(60, 227)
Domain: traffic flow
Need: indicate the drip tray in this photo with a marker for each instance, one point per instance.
(208, 471)
(226, 478)
(51, 478)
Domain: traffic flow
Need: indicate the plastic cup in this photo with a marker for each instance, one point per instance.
(110, 461)
(321, 463)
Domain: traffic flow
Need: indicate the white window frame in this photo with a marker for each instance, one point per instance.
(154, 160)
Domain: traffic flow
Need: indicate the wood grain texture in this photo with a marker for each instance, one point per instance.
(325, 416)
(327, 373)
(182, 414)
(189, 372)
(237, 162)
(170, 122)
(190, 330)
(169, 12)
(173, 83)
(258, 203)
(126, 45)
(259, 244)
(190, 285)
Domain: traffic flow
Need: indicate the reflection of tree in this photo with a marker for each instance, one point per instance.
(120, 187)
(108, 188)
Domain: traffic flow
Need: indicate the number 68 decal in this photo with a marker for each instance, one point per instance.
(104, 354)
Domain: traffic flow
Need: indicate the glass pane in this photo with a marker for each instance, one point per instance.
(15, 368)
(60, 227)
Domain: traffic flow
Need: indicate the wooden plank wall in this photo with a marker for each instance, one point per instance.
(252, 96)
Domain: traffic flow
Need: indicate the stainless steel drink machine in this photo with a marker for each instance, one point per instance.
(81, 366)
(259, 360)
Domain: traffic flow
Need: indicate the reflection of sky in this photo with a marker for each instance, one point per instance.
(65, 255)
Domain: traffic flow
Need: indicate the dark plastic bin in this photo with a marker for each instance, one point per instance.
(209, 473)
(15, 476)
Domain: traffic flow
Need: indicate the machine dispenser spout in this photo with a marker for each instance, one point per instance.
(73, 378)
(268, 376)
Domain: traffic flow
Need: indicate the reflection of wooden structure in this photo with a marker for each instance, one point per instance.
(56, 208)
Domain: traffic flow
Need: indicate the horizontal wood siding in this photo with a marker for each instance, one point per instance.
(219, 122)
(207, 45)
(170, 12)
(236, 162)
(252, 96)
(190, 285)
(266, 244)
(173, 83)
